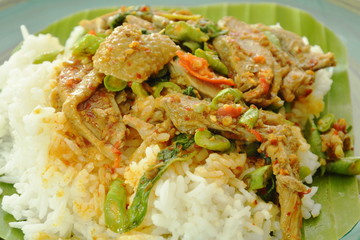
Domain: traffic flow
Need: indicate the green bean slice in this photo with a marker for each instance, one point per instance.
(236, 94)
(345, 166)
(250, 117)
(205, 139)
(260, 177)
(139, 90)
(213, 60)
(312, 136)
(114, 84)
(325, 122)
(47, 56)
(115, 206)
(272, 38)
(304, 172)
(182, 31)
(88, 44)
(160, 86)
(192, 45)
(117, 217)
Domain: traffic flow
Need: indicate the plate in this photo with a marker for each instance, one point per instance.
(336, 193)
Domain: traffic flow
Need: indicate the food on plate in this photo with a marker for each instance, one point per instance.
(152, 124)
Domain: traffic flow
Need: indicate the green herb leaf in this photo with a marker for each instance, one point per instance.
(189, 91)
(183, 140)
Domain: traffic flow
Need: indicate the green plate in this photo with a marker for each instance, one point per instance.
(337, 194)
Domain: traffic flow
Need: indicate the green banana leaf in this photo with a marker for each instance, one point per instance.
(6, 232)
(337, 194)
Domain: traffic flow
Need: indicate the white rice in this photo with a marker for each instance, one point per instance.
(191, 208)
(309, 208)
(55, 200)
(308, 159)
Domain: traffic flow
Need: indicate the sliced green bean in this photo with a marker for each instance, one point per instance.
(199, 108)
(250, 117)
(88, 44)
(120, 220)
(160, 86)
(139, 90)
(47, 56)
(182, 31)
(213, 60)
(260, 177)
(205, 139)
(114, 84)
(251, 149)
(115, 206)
(304, 172)
(325, 122)
(224, 94)
(208, 49)
(312, 136)
(192, 45)
(162, 73)
(211, 29)
(272, 38)
(345, 166)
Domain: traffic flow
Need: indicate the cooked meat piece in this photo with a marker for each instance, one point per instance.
(139, 23)
(295, 46)
(290, 205)
(83, 91)
(261, 69)
(336, 141)
(92, 112)
(182, 78)
(239, 29)
(297, 83)
(99, 24)
(280, 144)
(151, 134)
(101, 115)
(144, 129)
(131, 56)
(269, 118)
(180, 109)
(255, 71)
(143, 108)
(71, 74)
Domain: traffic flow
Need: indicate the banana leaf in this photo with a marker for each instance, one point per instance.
(337, 194)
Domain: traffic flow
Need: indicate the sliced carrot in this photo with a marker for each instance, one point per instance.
(92, 32)
(265, 86)
(199, 68)
(256, 134)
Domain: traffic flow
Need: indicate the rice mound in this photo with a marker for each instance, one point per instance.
(56, 200)
(189, 207)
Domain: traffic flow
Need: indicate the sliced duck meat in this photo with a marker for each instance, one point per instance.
(181, 109)
(132, 56)
(280, 144)
(295, 46)
(269, 63)
(91, 110)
